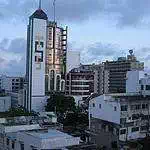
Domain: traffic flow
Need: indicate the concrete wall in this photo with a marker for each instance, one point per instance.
(5, 103)
(109, 111)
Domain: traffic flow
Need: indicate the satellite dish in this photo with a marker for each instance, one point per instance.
(131, 51)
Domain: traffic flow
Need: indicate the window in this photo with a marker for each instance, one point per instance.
(135, 129)
(144, 128)
(13, 145)
(122, 131)
(147, 87)
(115, 108)
(142, 87)
(100, 106)
(144, 106)
(7, 141)
(21, 146)
(123, 120)
(124, 108)
(135, 116)
(93, 104)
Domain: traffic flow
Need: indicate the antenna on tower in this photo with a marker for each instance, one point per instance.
(54, 4)
(40, 4)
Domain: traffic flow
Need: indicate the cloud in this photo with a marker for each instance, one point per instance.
(126, 12)
(12, 56)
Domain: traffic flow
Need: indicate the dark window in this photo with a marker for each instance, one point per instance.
(142, 87)
(115, 108)
(135, 129)
(35, 58)
(93, 104)
(13, 145)
(135, 116)
(21, 146)
(122, 131)
(147, 87)
(144, 106)
(7, 141)
(17, 80)
(42, 44)
(100, 106)
(144, 128)
(124, 108)
(36, 44)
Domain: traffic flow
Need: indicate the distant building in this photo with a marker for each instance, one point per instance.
(73, 60)
(81, 82)
(117, 71)
(11, 84)
(56, 53)
(5, 103)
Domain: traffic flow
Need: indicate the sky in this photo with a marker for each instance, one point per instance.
(100, 29)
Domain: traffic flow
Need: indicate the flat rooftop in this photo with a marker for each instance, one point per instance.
(51, 133)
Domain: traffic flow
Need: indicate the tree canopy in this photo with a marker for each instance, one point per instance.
(60, 103)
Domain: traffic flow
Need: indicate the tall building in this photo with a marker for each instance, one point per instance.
(35, 69)
(117, 70)
(56, 51)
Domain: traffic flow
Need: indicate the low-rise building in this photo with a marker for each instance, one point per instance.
(133, 113)
(104, 120)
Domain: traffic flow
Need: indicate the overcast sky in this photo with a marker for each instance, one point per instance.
(99, 29)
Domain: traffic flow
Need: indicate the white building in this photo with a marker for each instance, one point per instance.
(73, 60)
(133, 113)
(45, 139)
(5, 103)
(35, 69)
(138, 82)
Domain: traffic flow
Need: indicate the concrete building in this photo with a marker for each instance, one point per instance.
(81, 82)
(11, 84)
(133, 113)
(5, 103)
(73, 60)
(56, 53)
(35, 65)
(104, 120)
(30, 133)
(117, 71)
(45, 139)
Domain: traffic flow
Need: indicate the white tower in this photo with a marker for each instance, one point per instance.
(35, 67)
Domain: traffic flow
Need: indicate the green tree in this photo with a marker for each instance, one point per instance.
(60, 103)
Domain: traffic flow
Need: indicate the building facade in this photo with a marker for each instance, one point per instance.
(117, 71)
(11, 84)
(35, 66)
(56, 53)
(132, 114)
(85, 80)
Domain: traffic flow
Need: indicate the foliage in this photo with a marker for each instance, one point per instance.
(15, 112)
(60, 103)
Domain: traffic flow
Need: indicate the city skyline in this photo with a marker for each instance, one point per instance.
(108, 29)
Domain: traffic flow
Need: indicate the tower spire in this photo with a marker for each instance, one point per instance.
(54, 4)
(40, 4)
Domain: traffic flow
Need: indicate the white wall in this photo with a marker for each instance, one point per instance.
(132, 82)
(73, 60)
(106, 112)
(5, 103)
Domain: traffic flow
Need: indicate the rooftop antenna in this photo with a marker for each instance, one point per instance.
(54, 4)
(40, 4)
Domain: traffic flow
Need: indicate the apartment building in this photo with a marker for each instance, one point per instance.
(117, 71)
(85, 80)
(11, 84)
